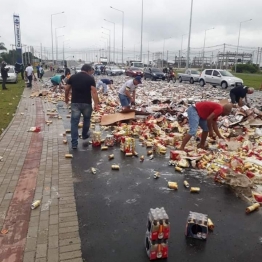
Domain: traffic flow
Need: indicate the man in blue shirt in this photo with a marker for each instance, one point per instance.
(104, 83)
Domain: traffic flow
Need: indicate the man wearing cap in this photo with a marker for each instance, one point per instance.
(239, 92)
(205, 114)
(4, 74)
(127, 93)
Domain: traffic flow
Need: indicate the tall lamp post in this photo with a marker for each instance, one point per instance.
(148, 49)
(109, 46)
(123, 18)
(205, 46)
(164, 51)
(189, 35)
(238, 41)
(142, 17)
(64, 50)
(180, 62)
(56, 41)
(114, 38)
(52, 34)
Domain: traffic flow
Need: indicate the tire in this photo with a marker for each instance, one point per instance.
(214, 86)
(180, 79)
(201, 82)
(191, 81)
(224, 85)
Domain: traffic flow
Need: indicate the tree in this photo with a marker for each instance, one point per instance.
(2, 46)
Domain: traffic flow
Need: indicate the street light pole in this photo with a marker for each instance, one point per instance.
(109, 42)
(238, 41)
(189, 36)
(123, 18)
(64, 51)
(141, 48)
(114, 38)
(164, 51)
(180, 62)
(205, 46)
(52, 34)
(56, 45)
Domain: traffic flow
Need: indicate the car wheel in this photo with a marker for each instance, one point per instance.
(224, 85)
(180, 79)
(202, 82)
(214, 86)
(191, 81)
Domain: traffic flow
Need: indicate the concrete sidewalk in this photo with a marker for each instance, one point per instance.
(34, 168)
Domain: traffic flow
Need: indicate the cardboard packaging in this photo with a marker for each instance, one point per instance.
(127, 145)
(96, 140)
(197, 226)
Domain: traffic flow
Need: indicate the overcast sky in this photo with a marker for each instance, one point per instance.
(162, 19)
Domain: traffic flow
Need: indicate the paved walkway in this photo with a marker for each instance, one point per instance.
(34, 168)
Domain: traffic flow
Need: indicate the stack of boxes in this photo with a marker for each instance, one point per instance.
(127, 145)
(197, 226)
(158, 228)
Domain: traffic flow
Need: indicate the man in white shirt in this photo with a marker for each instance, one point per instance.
(29, 71)
(127, 93)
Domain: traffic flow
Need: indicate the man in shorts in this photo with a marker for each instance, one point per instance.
(127, 93)
(104, 83)
(204, 114)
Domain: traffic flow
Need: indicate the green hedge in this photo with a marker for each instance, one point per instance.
(247, 68)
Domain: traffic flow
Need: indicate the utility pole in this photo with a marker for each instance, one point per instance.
(41, 52)
(260, 57)
(189, 36)
(141, 47)
(167, 56)
(224, 50)
(257, 55)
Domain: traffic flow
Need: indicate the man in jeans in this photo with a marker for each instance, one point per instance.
(204, 114)
(29, 71)
(4, 74)
(104, 83)
(83, 90)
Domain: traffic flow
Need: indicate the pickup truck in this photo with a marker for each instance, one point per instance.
(189, 75)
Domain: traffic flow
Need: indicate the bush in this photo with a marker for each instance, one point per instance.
(247, 68)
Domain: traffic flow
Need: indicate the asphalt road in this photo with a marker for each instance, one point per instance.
(112, 209)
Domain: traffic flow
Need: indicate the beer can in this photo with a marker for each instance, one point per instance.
(129, 154)
(149, 152)
(68, 156)
(142, 158)
(156, 175)
(252, 208)
(35, 204)
(65, 141)
(179, 169)
(210, 224)
(104, 147)
(173, 185)
(195, 189)
(115, 167)
(151, 157)
(186, 184)
(93, 170)
(112, 156)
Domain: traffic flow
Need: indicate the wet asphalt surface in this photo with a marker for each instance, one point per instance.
(112, 209)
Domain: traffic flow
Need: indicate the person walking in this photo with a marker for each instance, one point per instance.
(104, 83)
(127, 93)
(37, 71)
(83, 89)
(239, 92)
(204, 114)
(4, 74)
(29, 71)
(41, 72)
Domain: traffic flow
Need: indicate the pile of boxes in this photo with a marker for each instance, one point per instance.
(158, 228)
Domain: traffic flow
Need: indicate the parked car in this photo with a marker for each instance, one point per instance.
(189, 75)
(217, 77)
(114, 71)
(77, 69)
(153, 74)
(134, 71)
(12, 75)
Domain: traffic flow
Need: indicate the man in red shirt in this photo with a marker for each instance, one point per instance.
(204, 114)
